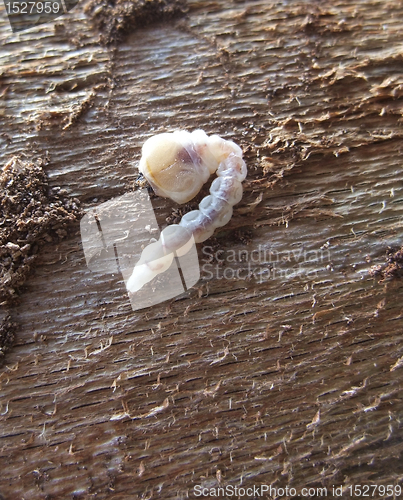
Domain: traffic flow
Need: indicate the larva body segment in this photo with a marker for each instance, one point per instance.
(177, 165)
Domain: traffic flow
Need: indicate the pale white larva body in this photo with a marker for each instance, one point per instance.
(177, 165)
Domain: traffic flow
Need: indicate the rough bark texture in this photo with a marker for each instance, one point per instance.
(283, 366)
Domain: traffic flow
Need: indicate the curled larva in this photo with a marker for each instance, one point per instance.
(177, 165)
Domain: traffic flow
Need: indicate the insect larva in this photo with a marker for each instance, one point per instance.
(177, 165)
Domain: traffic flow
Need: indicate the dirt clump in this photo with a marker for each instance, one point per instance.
(116, 18)
(31, 215)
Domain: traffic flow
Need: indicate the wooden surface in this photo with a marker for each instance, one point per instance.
(290, 376)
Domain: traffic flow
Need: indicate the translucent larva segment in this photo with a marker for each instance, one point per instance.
(223, 217)
(227, 189)
(219, 211)
(158, 256)
(141, 275)
(211, 203)
(199, 224)
(160, 265)
(234, 167)
(174, 237)
(190, 220)
(203, 234)
(154, 254)
(153, 261)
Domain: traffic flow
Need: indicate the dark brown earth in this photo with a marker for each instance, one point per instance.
(393, 268)
(7, 329)
(116, 18)
(31, 215)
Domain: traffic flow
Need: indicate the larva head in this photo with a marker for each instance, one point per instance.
(167, 164)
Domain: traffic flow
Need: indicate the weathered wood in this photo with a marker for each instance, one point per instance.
(287, 377)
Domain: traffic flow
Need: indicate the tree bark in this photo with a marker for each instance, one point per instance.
(282, 366)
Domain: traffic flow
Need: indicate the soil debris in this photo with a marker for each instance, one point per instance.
(7, 328)
(116, 18)
(65, 118)
(31, 215)
(177, 213)
(393, 267)
(245, 236)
